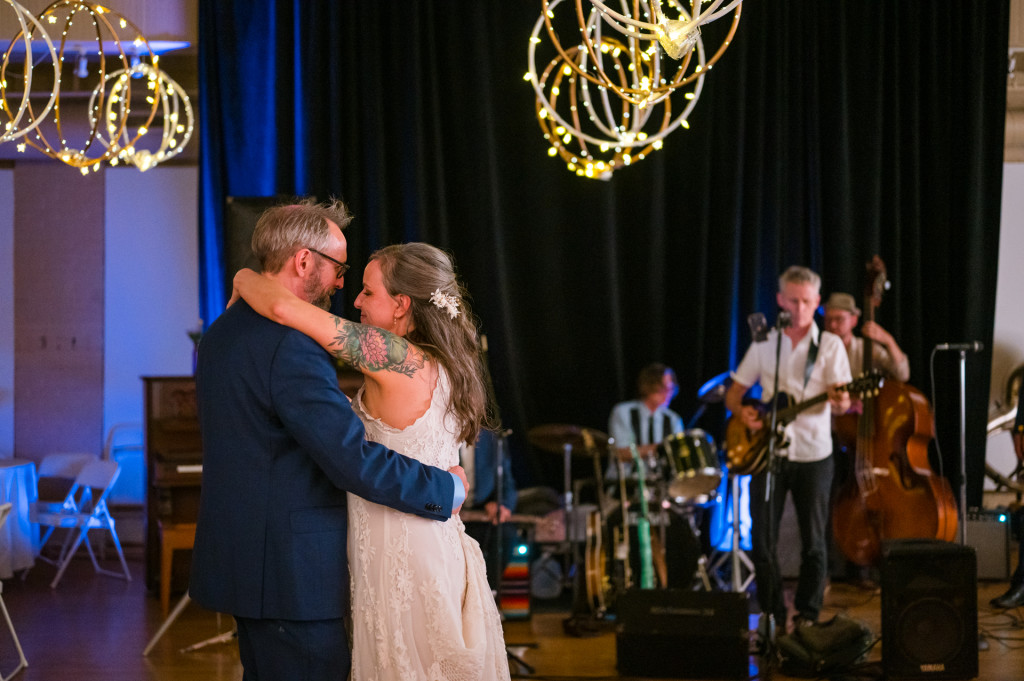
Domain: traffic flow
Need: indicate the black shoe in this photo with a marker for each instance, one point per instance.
(1011, 599)
(802, 621)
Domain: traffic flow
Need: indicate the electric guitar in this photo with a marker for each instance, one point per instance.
(746, 450)
(643, 527)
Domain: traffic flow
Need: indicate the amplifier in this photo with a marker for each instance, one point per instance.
(683, 634)
(988, 531)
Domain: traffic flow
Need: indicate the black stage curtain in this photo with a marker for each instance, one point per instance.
(828, 132)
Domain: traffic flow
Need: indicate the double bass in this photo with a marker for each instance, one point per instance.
(893, 492)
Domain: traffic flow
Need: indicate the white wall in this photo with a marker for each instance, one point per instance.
(6, 313)
(151, 282)
(1008, 336)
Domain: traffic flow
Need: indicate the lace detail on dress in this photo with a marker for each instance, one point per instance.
(421, 605)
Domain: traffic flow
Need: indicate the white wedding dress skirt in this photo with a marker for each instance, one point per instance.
(421, 605)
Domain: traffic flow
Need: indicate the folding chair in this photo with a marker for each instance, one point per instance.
(84, 509)
(5, 510)
(57, 472)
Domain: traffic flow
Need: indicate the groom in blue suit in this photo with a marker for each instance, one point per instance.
(281, 446)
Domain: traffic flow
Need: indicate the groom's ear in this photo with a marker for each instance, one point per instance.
(302, 262)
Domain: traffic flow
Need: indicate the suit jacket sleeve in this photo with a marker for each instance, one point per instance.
(319, 416)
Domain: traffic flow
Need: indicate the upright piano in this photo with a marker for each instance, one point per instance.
(174, 466)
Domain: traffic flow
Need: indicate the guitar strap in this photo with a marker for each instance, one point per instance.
(812, 355)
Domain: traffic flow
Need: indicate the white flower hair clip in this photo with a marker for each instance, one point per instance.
(446, 302)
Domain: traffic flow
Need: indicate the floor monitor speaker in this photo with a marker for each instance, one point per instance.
(929, 610)
(683, 634)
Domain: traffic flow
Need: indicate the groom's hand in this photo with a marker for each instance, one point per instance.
(461, 473)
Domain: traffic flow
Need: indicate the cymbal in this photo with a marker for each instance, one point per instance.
(553, 437)
(714, 390)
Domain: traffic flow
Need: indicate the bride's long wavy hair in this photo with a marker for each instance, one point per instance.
(418, 270)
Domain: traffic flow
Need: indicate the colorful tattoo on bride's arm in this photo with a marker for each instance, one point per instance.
(369, 349)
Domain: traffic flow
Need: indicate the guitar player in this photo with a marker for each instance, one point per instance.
(811, 362)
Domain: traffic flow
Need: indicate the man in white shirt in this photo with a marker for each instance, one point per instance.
(811, 362)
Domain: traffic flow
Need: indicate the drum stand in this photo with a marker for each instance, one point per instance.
(701, 572)
(740, 560)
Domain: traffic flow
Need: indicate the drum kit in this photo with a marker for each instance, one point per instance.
(681, 476)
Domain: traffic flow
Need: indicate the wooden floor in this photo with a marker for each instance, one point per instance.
(94, 628)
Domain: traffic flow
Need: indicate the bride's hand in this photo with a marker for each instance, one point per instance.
(240, 274)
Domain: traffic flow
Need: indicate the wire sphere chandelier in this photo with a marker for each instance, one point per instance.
(676, 36)
(22, 46)
(132, 96)
(174, 112)
(611, 99)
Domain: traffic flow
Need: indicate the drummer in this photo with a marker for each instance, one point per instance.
(645, 422)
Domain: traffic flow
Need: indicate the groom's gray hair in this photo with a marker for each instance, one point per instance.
(283, 230)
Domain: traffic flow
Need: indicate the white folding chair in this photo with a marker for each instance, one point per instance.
(57, 472)
(84, 509)
(5, 510)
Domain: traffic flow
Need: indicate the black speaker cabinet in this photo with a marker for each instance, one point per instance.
(683, 634)
(929, 610)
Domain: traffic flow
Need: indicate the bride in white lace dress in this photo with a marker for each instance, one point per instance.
(421, 604)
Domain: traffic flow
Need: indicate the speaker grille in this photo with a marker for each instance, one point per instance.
(930, 632)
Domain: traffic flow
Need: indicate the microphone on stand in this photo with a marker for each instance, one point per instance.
(758, 327)
(784, 320)
(971, 346)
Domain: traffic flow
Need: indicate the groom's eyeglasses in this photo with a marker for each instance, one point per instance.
(340, 267)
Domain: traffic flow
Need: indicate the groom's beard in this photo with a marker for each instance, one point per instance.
(318, 294)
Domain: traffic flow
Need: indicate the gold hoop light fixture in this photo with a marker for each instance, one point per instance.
(608, 101)
(174, 109)
(22, 46)
(118, 122)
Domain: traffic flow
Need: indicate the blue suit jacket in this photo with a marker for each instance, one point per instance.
(281, 445)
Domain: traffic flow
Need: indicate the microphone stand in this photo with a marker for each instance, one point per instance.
(963, 448)
(499, 479)
(782, 323)
(499, 545)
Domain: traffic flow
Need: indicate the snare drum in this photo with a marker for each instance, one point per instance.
(694, 471)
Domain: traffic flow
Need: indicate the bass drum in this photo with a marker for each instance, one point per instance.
(694, 471)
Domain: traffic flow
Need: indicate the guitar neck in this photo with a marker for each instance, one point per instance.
(643, 528)
(787, 414)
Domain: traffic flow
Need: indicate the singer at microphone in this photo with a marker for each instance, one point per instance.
(810, 363)
(971, 346)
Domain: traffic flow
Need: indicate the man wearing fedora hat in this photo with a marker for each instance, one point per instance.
(841, 317)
